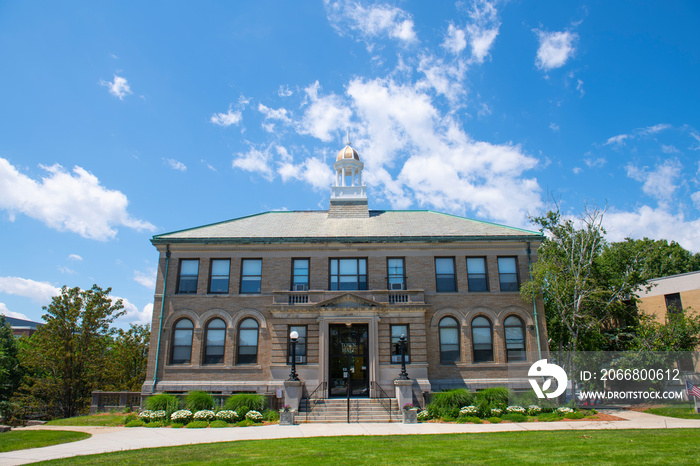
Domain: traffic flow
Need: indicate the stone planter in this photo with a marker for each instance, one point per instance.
(410, 416)
(287, 418)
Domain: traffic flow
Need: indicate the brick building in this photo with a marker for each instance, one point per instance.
(350, 281)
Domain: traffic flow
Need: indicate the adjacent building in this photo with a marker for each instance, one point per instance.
(350, 281)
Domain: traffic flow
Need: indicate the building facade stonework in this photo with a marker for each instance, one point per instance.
(350, 281)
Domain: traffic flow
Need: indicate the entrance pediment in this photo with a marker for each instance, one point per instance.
(349, 300)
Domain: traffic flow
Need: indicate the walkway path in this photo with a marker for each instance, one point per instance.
(107, 439)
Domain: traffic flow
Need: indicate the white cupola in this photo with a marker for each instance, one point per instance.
(348, 192)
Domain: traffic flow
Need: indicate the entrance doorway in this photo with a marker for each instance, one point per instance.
(349, 360)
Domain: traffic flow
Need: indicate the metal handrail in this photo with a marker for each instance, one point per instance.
(309, 406)
(383, 396)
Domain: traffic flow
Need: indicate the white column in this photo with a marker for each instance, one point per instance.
(344, 176)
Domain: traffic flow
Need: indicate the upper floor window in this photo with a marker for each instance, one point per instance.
(300, 274)
(189, 271)
(215, 342)
(482, 341)
(395, 276)
(508, 273)
(476, 274)
(515, 339)
(445, 274)
(182, 342)
(348, 274)
(248, 342)
(396, 332)
(218, 279)
(300, 350)
(251, 275)
(449, 340)
(673, 303)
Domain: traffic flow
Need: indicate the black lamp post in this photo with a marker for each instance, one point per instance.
(402, 342)
(293, 337)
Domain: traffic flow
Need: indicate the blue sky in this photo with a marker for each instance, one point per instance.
(121, 120)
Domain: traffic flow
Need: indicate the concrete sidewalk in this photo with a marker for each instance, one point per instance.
(108, 439)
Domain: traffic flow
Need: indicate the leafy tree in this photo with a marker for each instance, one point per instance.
(651, 258)
(680, 332)
(10, 369)
(65, 358)
(128, 358)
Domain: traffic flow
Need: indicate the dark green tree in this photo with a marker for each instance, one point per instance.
(66, 357)
(10, 369)
(127, 358)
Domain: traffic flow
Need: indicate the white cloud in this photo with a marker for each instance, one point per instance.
(577, 170)
(256, 161)
(227, 119)
(284, 91)
(324, 114)
(653, 223)
(371, 21)
(39, 292)
(579, 87)
(313, 171)
(660, 182)
(620, 139)
(444, 78)
(75, 257)
(280, 114)
(176, 165)
(8, 313)
(66, 270)
(67, 202)
(133, 314)
(118, 88)
(555, 48)
(596, 162)
(616, 140)
(696, 199)
(455, 40)
(554, 127)
(483, 28)
(146, 278)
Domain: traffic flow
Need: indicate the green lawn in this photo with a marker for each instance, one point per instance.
(680, 410)
(106, 419)
(22, 439)
(664, 446)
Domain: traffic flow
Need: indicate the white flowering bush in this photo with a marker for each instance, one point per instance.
(157, 415)
(183, 416)
(204, 415)
(227, 415)
(533, 409)
(515, 409)
(564, 410)
(145, 415)
(468, 410)
(496, 411)
(423, 415)
(254, 416)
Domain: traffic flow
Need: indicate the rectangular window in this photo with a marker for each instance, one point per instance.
(508, 273)
(300, 274)
(395, 273)
(300, 351)
(445, 274)
(189, 271)
(673, 303)
(396, 332)
(251, 275)
(218, 279)
(476, 274)
(348, 274)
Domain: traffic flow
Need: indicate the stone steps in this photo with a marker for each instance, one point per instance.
(361, 410)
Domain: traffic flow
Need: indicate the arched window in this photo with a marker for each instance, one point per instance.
(215, 338)
(449, 340)
(482, 343)
(182, 342)
(248, 342)
(515, 339)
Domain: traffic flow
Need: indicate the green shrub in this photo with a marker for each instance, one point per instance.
(177, 425)
(135, 423)
(271, 415)
(129, 418)
(472, 419)
(249, 400)
(548, 417)
(126, 410)
(156, 424)
(455, 398)
(242, 411)
(591, 412)
(448, 419)
(496, 396)
(514, 417)
(163, 402)
(574, 416)
(449, 412)
(199, 401)
(494, 420)
(246, 423)
(197, 425)
(216, 424)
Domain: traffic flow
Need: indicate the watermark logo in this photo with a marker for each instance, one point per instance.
(543, 369)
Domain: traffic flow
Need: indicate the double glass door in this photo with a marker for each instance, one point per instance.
(349, 360)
